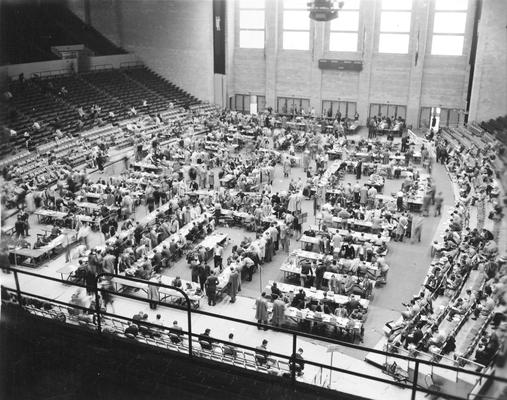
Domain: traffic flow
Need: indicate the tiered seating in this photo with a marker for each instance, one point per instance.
(80, 93)
(497, 127)
(127, 91)
(30, 100)
(158, 337)
(107, 134)
(161, 86)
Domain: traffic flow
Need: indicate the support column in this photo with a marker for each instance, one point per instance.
(419, 37)
(366, 46)
(273, 9)
(318, 33)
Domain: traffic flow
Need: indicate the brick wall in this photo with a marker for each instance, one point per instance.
(434, 81)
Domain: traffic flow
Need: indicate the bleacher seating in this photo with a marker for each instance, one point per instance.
(80, 93)
(155, 337)
(158, 84)
(41, 100)
(129, 92)
(35, 104)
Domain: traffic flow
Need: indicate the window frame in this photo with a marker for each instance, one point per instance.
(246, 30)
(290, 101)
(347, 108)
(387, 33)
(286, 7)
(387, 107)
(356, 9)
(437, 35)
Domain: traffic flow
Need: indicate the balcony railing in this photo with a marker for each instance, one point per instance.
(188, 342)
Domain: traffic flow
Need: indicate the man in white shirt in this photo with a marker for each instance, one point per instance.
(218, 252)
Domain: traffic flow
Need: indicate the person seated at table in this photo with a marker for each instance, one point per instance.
(488, 346)
(413, 336)
(382, 248)
(341, 311)
(352, 304)
(322, 306)
(484, 308)
(356, 314)
(275, 291)
(458, 307)
(348, 283)
(438, 338)
(453, 284)
(412, 308)
(299, 299)
(176, 282)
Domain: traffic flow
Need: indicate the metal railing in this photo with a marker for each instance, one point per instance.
(102, 320)
(131, 64)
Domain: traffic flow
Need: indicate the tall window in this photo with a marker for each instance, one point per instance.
(331, 108)
(296, 25)
(242, 102)
(251, 24)
(395, 26)
(292, 105)
(344, 29)
(449, 27)
(388, 110)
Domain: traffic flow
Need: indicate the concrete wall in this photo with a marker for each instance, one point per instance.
(489, 90)
(172, 37)
(434, 81)
(43, 68)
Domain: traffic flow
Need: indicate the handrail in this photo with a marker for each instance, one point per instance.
(131, 64)
(295, 334)
(101, 67)
(246, 322)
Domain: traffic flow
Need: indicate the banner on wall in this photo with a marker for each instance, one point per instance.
(219, 36)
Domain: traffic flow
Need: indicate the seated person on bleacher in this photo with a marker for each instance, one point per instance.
(261, 353)
(205, 340)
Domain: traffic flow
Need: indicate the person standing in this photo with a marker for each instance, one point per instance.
(278, 318)
(359, 169)
(439, 199)
(211, 289)
(235, 285)
(417, 224)
(261, 310)
(218, 251)
(153, 291)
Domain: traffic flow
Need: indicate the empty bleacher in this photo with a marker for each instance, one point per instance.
(81, 93)
(158, 84)
(129, 92)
